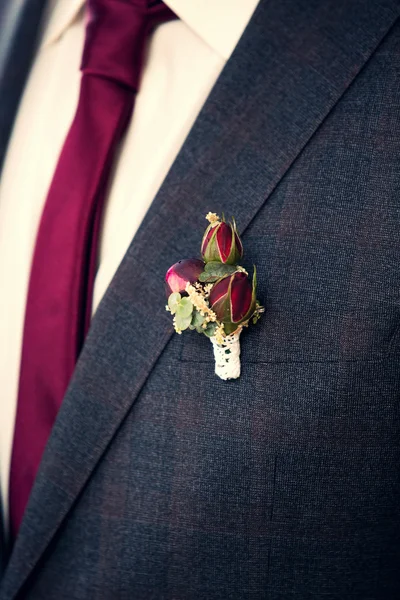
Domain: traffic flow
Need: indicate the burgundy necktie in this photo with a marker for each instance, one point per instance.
(65, 257)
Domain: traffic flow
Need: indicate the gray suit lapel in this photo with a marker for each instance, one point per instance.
(19, 28)
(292, 65)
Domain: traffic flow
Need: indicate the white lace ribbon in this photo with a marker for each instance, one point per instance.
(227, 356)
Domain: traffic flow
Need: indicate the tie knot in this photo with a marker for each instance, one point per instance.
(115, 37)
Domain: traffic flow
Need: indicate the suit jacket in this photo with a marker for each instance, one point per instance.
(161, 481)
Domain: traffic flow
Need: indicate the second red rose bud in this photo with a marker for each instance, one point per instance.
(221, 243)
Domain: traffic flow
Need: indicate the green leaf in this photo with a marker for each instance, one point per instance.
(173, 302)
(184, 308)
(207, 278)
(210, 330)
(218, 269)
(182, 322)
(197, 319)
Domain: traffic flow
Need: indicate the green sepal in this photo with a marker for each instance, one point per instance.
(231, 327)
(253, 304)
(256, 317)
(209, 254)
(234, 254)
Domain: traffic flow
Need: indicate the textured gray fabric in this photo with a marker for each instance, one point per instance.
(19, 28)
(161, 481)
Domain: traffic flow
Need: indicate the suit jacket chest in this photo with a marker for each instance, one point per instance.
(296, 140)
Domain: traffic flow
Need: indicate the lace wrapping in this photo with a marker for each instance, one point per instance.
(227, 357)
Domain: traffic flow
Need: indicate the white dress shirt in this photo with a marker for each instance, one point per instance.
(184, 60)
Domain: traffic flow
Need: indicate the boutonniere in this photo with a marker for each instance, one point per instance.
(214, 296)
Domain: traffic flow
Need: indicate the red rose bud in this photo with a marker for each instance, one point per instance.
(221, 243)
(233, 299)
(183, 272)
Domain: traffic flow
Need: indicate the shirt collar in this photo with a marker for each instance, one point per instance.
(220, 23)
(60, 15)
